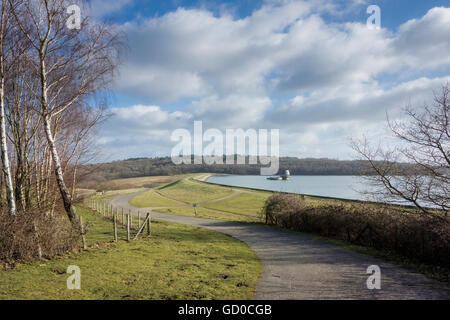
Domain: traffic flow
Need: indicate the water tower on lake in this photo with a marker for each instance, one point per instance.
(284, 176)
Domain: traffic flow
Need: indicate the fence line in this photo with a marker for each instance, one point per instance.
(108, 211)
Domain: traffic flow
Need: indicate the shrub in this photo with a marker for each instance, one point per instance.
(35, 234)
(421, 238)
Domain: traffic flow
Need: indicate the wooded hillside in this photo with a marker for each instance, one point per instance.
(139, 167)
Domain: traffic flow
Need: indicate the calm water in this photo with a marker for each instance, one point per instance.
(344, 187)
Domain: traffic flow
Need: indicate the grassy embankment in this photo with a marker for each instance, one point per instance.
(244, 207)
(130, 183)
(181, 194)
(176, 262)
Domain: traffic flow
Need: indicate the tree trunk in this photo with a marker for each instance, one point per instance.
(4, 153)
(3, 145)
(67, 199)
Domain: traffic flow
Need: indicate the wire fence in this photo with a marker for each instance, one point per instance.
(135, 223)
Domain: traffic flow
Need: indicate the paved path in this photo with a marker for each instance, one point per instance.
(299, 267)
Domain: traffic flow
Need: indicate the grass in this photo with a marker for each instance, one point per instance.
(131, 183)
(203, 212)
(113, 193)
(192, 192)
(153, 199)
(245, 207)
(248, 204)
(98, 229)
(177, 262)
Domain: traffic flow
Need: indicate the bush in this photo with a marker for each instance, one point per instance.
(35, 234)
(421, 238)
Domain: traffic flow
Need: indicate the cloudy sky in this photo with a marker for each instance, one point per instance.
(312, 69)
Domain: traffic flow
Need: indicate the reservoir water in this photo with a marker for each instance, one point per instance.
(343, 187)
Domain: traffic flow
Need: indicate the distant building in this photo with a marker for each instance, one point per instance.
(284, 176)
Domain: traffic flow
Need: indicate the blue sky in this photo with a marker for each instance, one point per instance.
(394, 13)
(310, 68)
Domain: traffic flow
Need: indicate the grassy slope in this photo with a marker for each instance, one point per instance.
(177, 262)
(203, 212)
(192, 192)
(245, 207)
(130, 183)
(152, 199)
(246, 203)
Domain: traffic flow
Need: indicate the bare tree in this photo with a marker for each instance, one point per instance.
(424, 144)
(72, 65)
(5, 17)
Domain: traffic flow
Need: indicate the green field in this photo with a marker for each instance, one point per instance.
(176, 262)
(248, 204)
(203, 212)
(153, 199)
(243, 207)
(193, 192)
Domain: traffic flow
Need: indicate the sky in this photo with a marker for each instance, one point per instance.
(310, 68)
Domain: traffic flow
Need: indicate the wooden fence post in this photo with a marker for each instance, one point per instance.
(139, 219)
(128, 228)
(123, 218)
(141, 229)
(115, 227)
(131, 218)
(149, 225)
(83, 238)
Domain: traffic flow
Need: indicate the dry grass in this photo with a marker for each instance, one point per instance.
(131, 183)
(35, 234)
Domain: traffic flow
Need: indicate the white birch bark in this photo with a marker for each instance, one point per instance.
(3, 144)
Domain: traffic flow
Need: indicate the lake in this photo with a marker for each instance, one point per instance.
(343, 187)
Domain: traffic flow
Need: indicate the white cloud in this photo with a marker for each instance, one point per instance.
(232, 69)
(425, 42)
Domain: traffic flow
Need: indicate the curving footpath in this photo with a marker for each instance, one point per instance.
(296, 266)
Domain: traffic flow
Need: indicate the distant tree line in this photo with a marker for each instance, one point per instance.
(163, 166)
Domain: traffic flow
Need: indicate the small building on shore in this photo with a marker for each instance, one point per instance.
(284, 176)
